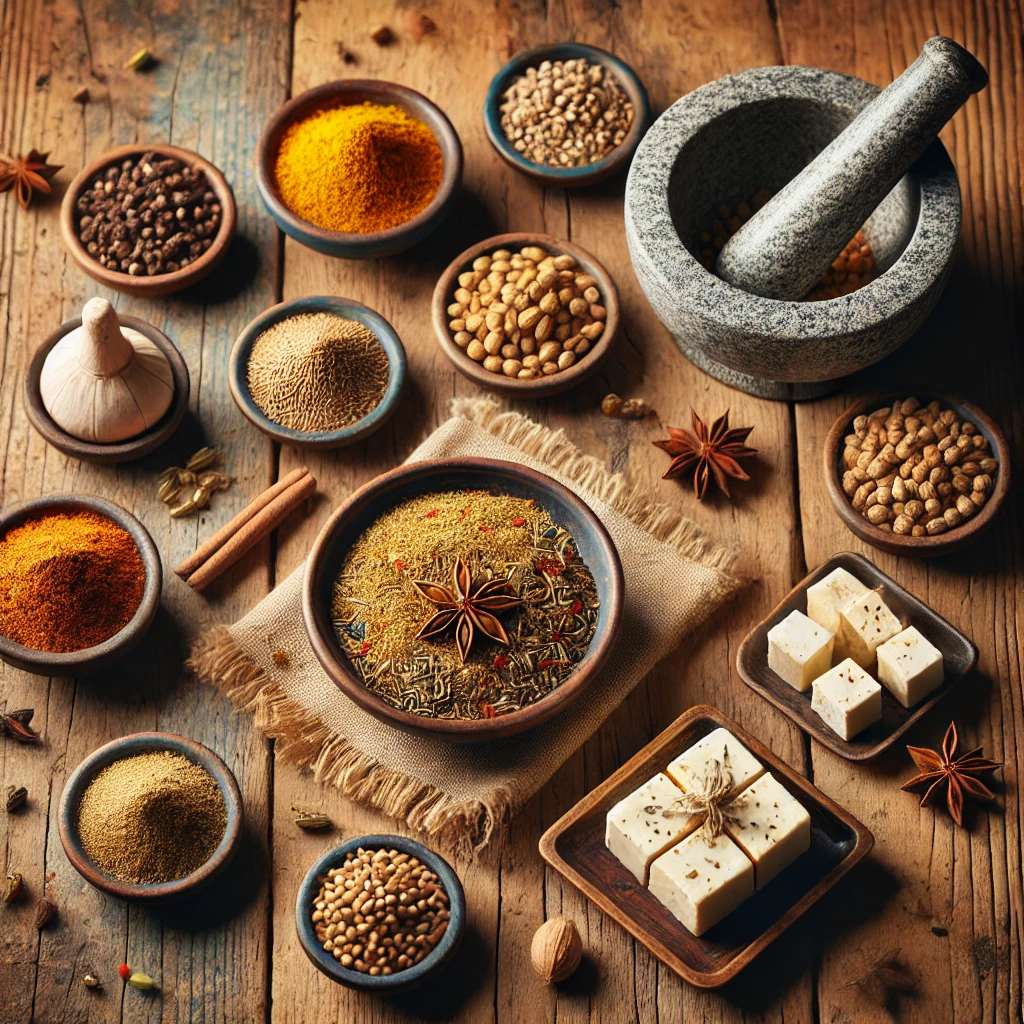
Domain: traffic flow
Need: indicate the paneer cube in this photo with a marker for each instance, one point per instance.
(847, 699)
(909, 666)
(799, 650)
(864, 624)
(692, 765)
(832, 593)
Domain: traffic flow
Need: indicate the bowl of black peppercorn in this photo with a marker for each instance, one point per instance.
(148, 220)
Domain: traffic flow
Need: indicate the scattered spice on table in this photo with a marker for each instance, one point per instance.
(420, 25)
(90, 981)
(311, 821)
(81, 95)
(189, 488)
(139, 60)
(380, 912)
(382, 35)
(526, 314)
(152, 817)
(68, 580)
(625, 408)
(853, 268)
(46, 911)
(917, 470)
(430, 568)
(27, 175)
(711, 454)
(885, 979)
(317, 372)
(148, 216)
(16, 724)
(359, 168)
(566, 113)
(13, 888)
(556, 949)
(17, 796)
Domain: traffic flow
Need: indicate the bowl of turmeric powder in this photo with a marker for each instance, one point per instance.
(359, 169)
(80, 583)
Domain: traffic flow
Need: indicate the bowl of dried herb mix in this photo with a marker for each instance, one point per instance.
(318, 372)
(465, 598)
(80, 583)
(150, 817)
(360, 168)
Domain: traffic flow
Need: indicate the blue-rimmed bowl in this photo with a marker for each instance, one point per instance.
(238, 364)
(131, 746)
(430, 965)
(348, 245)
(569, 177)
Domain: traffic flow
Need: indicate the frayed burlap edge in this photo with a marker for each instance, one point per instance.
(465, 827)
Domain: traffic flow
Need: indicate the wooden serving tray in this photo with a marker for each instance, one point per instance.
(959, 656)
(574, 846)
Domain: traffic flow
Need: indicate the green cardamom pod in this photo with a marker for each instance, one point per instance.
(141, 981)
(311, 821)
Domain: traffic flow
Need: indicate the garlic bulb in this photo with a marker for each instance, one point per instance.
(103, 382)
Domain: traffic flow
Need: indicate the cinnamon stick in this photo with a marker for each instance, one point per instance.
(252, 532)
(226, 532)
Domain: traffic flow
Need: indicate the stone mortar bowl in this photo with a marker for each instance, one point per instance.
(757, 129)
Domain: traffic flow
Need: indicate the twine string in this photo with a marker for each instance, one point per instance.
(710, 798)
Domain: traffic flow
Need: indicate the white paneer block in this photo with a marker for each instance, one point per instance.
(832, 593)
(909, 666)
(799, 650)
(636, 829)
(847, 699)
(690, 767)
(701, 884)
(865, 623)
(770, 826)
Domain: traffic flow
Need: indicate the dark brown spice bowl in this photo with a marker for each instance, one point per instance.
(130, 746)
(375, 498)
(540, 387)
(349, 245)
(99, 656)
(894, 543)
(159, 284)
(120, 451)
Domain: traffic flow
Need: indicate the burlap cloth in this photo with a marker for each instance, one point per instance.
(675, 576)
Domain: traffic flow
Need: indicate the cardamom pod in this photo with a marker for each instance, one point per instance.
(141, 981)
(168, 490)
(203, 459)
(16, 725)
(45, 909)
(16, 797)
(312, 822)
(13, 888)
(186, 508)
(138, 60)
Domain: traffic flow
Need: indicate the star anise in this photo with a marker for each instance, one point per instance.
(710, 453)
(27, 175)
(16, 725)
(467, 607)
(957, 773)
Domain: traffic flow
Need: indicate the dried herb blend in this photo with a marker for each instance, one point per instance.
(317, 372)
(496, 567)
(151, 818)
(68, 581)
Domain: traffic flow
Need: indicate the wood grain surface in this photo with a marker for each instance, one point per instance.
(951, 900)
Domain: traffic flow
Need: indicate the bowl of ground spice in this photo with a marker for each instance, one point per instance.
(467, 599)
(80, 584)
(150, 817)
(359, 169)
(148, 220)
(318, 372)
(566, 115)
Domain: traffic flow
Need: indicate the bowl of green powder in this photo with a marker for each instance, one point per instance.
(150, 817)
(318, 372)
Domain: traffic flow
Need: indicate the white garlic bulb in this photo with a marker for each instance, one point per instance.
(103, 382)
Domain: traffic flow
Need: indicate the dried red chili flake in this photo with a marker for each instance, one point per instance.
(549, 565)
(576, 607)
(432, 514)
(548, 662)
(361, 653)
(469, 490)
(519, 521)
(501, 660)
(125, 971)
(556, 636)
(400, 565)
(488, 711)
(485, 529)
(465, 512)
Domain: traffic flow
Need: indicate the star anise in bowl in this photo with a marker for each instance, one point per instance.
(711, 454)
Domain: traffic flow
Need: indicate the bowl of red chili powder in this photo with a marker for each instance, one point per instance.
(80, 583)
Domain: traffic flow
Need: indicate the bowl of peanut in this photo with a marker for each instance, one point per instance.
(918, 476)
(525, 315)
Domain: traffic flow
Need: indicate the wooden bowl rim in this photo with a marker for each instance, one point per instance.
(159, 284)
(118, 451)
(433, 963)
(921, 547)
(333, 94)
(542, 387)
(326, 647)
(88, 659)
(570, 177)
(344, 308)
(128, 746)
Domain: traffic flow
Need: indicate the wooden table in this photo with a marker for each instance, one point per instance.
(950, 899)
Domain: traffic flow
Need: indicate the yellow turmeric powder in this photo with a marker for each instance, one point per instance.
(359, 168)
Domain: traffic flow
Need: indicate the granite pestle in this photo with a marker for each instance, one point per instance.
(792, 240)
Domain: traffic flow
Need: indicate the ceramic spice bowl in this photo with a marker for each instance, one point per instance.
(429, 966)
(538, 387)
(372, 500)
(99, 656)
(131, 746)
(345, 244)
(158, 284)
(723, 143)
(569, 177)
(349, 309)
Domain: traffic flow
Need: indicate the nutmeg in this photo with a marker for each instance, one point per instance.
(556, 949)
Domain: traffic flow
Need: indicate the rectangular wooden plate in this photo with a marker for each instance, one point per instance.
(574, 846)
(959, 656)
